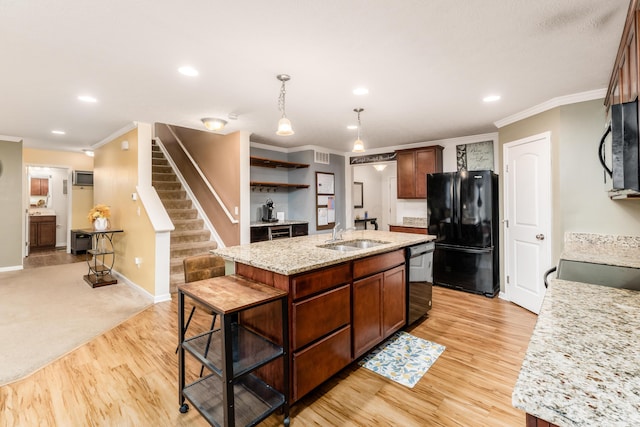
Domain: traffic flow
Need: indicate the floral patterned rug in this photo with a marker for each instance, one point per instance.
(403, 358)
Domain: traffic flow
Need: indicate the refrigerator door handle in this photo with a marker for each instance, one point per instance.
(465, 249)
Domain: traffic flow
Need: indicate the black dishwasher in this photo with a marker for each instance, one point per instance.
(419, 280)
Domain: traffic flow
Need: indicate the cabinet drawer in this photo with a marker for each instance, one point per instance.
(314, 365)
(317, 281)
(406, 229)
(377, 263)
(319, 315)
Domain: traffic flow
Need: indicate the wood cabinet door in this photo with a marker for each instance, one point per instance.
(367, 313)
(394, 313)
(47, 234)
(259, 234)
(425, 164)
(300, 230)
(406, 175)
(33, 234)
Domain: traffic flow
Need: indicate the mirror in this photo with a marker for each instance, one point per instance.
(357, 195)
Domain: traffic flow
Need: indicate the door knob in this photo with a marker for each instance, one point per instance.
(540, 236)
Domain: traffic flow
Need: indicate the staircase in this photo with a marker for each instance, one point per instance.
(190, 236)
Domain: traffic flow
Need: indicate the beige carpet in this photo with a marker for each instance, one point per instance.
(47, 312)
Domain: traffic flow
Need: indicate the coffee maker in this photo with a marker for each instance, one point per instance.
(267, 212)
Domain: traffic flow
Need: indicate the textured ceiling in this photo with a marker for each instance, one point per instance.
(427, 64)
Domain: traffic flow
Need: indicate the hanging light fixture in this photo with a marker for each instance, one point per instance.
(284, 125)
(212, 123)
(380, 167)
(358, 146)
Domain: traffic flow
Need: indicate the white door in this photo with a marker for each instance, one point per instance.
(393, 200)
(527, 205)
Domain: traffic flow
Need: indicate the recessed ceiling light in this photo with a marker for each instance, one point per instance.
(491, 98)
(352, 127)
(360, 91)
(188, 71)
(87, 98)
(58, 132)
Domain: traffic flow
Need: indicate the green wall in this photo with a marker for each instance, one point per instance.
(11, 220)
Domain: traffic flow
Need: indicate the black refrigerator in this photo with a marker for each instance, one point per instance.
(463, 214)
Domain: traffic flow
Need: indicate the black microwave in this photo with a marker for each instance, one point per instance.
(625, 145)
(84, 178)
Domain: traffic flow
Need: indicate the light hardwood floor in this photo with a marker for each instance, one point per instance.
(128, 376)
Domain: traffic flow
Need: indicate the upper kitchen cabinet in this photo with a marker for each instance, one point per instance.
(623, 85)
(413, 166)
(39, 186)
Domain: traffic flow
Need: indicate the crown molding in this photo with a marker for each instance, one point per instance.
(10, 138)
(552, 103)
(127, 128)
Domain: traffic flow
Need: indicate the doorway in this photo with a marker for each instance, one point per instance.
(377, 201)
(49, 194)
(527, 214)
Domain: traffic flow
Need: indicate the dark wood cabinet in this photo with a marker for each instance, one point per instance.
(379, 300)
(259, 234)
(408, 229)
(623, 84)
(42, 232)
(367, 313)
(333, 310)
(394, 314)
(299, 230)
(413, 166)
(39, 186)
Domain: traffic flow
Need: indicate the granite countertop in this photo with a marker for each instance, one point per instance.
(300, 254)
(271, 224)
(623, 251)
(581, 367)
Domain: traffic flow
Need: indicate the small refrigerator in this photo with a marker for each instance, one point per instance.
(463, 214)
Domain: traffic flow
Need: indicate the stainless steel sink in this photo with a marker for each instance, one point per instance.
(352, 245)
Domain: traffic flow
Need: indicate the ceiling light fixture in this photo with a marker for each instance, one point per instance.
(188, 71)
(87, 98)
(360, 91)
(58, 132)
(284, 125)
(379, 168)
(214, 124)
(88, 152)
(358, 146)
(491, 98)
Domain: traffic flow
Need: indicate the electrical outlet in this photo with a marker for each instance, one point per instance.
(137, 261)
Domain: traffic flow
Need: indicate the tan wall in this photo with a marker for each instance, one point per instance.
(115, 180)
(218, 156)
(579, 200)
(11, 217)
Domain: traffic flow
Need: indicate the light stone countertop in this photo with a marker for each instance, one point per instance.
(582, 367)
(300, 254)
(623, 251)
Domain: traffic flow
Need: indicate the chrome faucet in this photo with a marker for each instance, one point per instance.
(337, 233)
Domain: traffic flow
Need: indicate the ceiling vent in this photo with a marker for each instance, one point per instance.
(321, 157)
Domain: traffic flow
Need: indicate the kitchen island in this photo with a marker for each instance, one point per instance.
(581, 366)
(343, 300)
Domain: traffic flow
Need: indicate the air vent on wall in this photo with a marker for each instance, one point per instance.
(321, 157)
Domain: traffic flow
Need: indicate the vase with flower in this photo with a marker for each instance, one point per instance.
(99, 217)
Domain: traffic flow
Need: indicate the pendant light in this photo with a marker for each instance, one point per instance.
(284, 125)
(358, 146)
